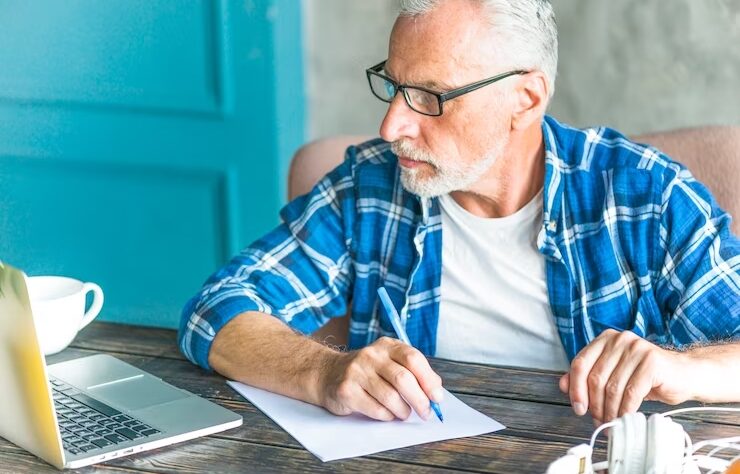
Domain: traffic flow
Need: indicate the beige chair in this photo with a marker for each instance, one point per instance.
(711, 153)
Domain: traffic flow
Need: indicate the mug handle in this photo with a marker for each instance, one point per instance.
(96, 305)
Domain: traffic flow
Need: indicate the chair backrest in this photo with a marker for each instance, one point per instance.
(711, 153)
(315, 159)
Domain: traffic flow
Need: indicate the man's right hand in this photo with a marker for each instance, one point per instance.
(383, 381)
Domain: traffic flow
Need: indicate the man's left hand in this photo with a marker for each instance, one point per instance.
(618, 370)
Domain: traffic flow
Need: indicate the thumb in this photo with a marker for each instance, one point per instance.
(564, 383)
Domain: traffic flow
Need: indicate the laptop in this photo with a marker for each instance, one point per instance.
(91, 409)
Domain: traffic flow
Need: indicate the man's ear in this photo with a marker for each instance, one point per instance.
(532, 95)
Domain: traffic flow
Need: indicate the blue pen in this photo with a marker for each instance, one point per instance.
(401, 332)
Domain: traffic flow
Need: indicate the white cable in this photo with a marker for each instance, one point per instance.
(713, 464)
(706, 460)
(719, 448)
(689, 409)
(716, 450)
(709, 461)
(603, 464)
(599, 430)
(723, 442)
(600, 466)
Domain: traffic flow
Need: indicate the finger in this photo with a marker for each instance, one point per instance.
(408, 387)
(600, 374)
(365, 404)
(614, 391)
(352, 398)
(637, 388)
(579, 370)
(387, 396)
(414, 361)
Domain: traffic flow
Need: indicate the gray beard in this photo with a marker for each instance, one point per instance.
(447, 180)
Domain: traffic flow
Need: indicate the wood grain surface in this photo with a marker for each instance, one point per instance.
(540, 424)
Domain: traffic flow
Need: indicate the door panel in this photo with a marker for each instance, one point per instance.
(142, 142)
(133, 54)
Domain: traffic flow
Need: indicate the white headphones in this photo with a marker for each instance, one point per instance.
(655, 445)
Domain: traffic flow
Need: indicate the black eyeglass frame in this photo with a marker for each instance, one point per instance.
(441, 97)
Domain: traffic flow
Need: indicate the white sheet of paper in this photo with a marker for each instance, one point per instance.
(331, 437)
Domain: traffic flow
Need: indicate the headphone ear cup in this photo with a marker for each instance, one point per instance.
(666, 445)
(628, 445)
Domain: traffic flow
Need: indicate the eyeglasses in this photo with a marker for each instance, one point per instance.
(421, 99)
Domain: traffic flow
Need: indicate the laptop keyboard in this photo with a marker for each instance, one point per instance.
(87, 424)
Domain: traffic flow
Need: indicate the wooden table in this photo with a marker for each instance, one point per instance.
(540, 423)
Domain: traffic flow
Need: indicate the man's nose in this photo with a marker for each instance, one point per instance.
(399, 121)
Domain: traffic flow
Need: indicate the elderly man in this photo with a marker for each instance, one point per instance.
(502, 235)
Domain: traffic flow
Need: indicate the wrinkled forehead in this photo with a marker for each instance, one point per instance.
(449, 45)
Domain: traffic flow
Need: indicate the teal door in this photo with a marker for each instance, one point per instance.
(143, 142)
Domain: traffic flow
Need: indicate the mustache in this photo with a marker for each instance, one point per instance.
(405, 149)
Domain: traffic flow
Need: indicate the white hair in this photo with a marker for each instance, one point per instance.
(527, 27)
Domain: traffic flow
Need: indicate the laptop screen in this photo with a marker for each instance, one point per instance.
(27, 416)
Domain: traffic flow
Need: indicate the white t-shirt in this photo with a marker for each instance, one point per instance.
(494, 306)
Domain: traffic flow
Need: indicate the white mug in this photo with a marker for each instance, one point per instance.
(58, 306)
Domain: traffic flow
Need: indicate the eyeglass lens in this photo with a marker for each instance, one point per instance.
(419, 100)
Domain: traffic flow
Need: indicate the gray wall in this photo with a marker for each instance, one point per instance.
(637, 65)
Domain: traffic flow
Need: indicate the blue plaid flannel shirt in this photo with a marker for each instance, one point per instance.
(631, 240)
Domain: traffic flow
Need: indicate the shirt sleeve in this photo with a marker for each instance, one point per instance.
(301, 272)
(698, 286)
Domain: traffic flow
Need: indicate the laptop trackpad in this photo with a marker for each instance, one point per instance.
(137, 393)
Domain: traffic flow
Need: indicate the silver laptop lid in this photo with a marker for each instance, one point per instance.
(27, 416)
